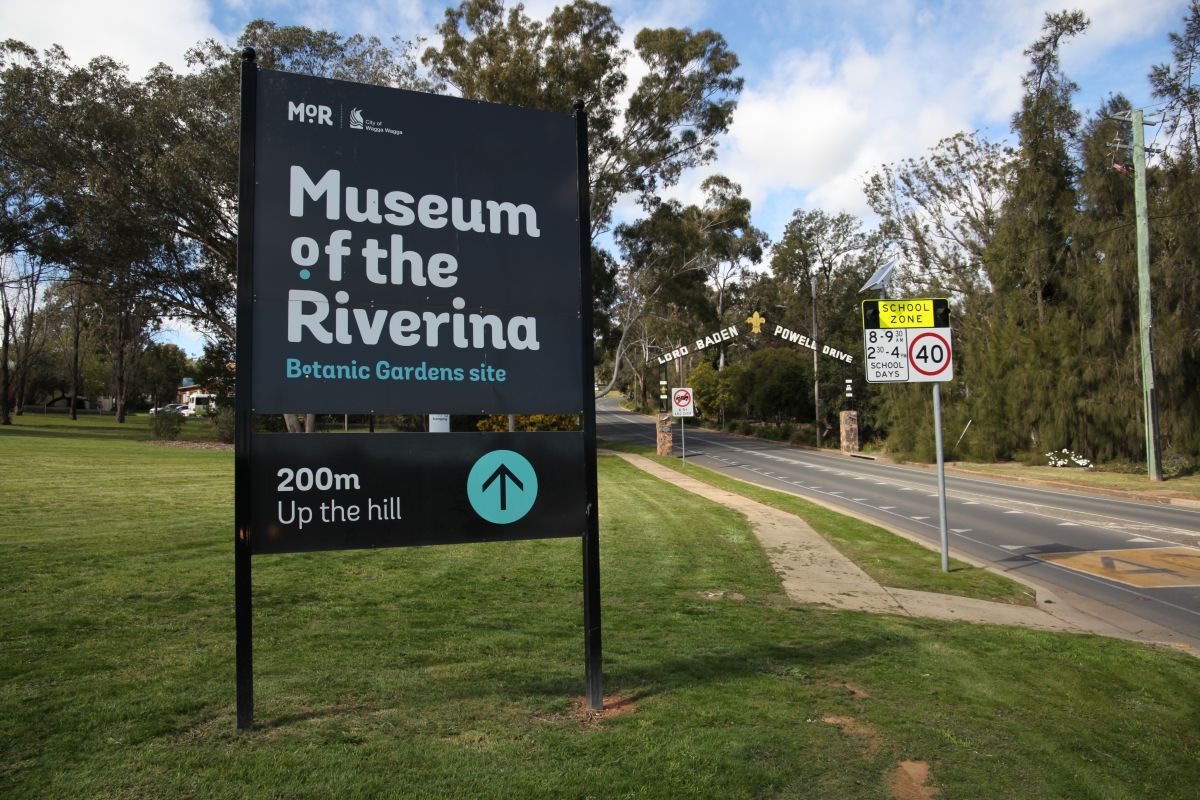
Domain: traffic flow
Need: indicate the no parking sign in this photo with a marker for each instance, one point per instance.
(683, 403)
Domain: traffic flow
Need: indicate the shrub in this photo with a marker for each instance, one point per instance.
(1067, 458)
(166, 425)
(498, 423)
(224, 422)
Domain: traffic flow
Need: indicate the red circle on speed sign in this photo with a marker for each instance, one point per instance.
(683, 398)
(939, 365)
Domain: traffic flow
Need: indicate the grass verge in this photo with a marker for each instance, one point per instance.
(890, 559)
(454, 672)
(1184, 486)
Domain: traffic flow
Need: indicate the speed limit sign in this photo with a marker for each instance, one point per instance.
(930, 357)
(683, 403)
(907, 341)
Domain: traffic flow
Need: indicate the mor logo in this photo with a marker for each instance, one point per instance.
(310, 112)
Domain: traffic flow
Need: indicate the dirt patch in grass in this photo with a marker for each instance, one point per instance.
(722, 594)
(612, 707)
(191, 445)
(909, 781)
(854, 727)
(856, 691)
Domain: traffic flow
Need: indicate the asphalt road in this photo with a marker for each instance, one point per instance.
(1140, 560)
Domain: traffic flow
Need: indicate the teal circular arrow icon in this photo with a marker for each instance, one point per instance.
(502, 486)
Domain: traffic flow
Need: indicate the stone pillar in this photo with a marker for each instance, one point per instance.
(849, 423)
(666, 436)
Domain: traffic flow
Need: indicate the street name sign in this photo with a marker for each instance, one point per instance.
(907, 341)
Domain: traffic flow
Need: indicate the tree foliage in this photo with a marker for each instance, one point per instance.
(669, 123)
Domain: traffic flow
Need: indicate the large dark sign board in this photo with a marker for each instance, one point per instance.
(402, 252)
(412, 252)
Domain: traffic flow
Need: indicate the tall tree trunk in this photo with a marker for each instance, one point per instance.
(310, 423)
(25, 348)
(122, 346)
(76, 326)
(5, 409)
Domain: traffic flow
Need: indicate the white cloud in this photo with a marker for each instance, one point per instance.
(828, 114)
(183, 334)
(661, 14)
(1114, 22)
(139, 33)
(406, 18)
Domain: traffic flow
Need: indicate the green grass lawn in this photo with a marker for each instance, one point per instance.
(1181, 486)
(94, 426)
(890, 559)
(455, 672)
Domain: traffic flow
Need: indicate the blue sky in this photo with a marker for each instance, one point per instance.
(833, 89)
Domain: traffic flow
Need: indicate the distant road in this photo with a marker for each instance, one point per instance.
(1142, 560)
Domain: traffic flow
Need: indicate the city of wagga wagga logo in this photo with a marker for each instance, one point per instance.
(390, 264)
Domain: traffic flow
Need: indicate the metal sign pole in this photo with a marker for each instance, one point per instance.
(593, 658)
(243, 406)
(941, 475)
(683, 436)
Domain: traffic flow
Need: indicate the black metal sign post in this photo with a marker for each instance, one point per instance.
(591, 537)
(402, 252)
(243, 404)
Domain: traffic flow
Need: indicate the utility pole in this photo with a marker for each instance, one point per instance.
(1145, 310)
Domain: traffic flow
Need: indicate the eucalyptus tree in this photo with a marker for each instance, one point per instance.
(667, 259)
(941, 211)
(640, 141)
(817, 250)
(817, 247)
(641, 138)
(192, 120)
(74, 141)
(731, 244)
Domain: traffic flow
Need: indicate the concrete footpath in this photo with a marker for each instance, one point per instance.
(813, 571)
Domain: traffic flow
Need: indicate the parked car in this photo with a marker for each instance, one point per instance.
(169, 408)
